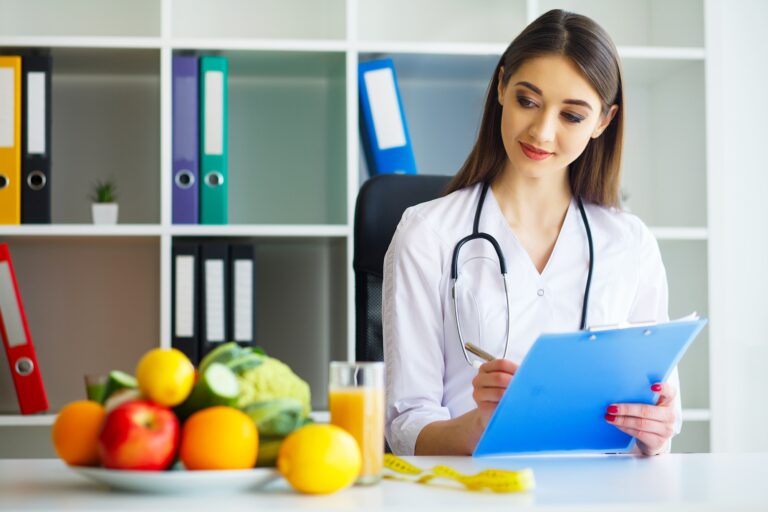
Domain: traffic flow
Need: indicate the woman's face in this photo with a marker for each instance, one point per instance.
(550, 112)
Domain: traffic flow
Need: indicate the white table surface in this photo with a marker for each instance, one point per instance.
(668, 482)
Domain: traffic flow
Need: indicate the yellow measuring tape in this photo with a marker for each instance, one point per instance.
(496, 480)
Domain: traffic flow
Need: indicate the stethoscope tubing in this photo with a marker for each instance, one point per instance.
(478, 235)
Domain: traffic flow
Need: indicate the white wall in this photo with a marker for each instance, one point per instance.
(738, 220)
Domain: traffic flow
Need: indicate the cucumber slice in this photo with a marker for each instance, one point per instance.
(117, 380)
(223, 354)
(217, 385)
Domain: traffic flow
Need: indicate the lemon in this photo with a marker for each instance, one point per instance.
(165, 376)
(319, 459)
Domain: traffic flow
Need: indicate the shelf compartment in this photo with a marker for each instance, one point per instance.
(287, 160)
(443, 98)
(301, 304)
(686, 265)
(449, 21)
(105, 123)
(646, 23)
(259, 19)
(664, 142)
(137, 18)
(92, 306)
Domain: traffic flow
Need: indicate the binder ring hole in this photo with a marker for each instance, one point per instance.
(36, 180)
(647, 332)
(184, 179)
(592, 338)
(24, 366)
(214, 179)
(3, 181)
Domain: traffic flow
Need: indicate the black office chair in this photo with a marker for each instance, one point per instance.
(380, 205)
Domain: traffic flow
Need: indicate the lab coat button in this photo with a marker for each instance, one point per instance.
(540, 292)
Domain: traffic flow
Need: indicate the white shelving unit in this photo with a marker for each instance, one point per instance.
(97, 297)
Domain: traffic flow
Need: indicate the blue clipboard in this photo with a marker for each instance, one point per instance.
(558, 398)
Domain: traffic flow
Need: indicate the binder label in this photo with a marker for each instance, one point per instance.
(214, 300)
(385, 109)
(214, 113)
(185, 119)
(7, 106)
(36, 113)
(243, 300)
(185, 296)
(9, 308)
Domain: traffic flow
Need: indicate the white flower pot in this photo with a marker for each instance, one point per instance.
(104, 213)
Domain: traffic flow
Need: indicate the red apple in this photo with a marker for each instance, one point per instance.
(139, 435)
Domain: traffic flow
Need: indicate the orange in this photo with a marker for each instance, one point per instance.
(219, 437)
(319, 459)
(75, 432)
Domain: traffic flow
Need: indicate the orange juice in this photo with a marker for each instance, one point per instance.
(360, 411)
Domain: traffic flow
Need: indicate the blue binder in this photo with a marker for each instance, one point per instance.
(558, 398)
(383, 128)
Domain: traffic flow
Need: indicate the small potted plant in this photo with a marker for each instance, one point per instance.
(104, 199)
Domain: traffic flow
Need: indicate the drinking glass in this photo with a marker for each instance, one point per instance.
(356, 402)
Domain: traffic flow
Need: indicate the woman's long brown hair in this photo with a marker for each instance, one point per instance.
(595, 174)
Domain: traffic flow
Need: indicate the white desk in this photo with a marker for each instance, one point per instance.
(670, 482)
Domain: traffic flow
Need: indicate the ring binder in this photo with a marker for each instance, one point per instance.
(213, 140)
(386, 141)
(17, 340)
(242, 270)
(36, 140)
(214, 298)
(185, 299)
(185, 140)
(10, 139)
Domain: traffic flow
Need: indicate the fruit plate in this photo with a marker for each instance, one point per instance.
(180, 481)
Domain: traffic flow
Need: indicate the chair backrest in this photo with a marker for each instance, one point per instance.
(380, 205)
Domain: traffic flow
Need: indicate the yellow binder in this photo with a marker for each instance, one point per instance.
(10, 140)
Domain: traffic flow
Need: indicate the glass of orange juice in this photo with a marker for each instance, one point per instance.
(356, 402)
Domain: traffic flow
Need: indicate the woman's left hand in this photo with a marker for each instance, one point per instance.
(652, 425)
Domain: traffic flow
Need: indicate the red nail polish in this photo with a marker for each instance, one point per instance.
(656, 387)
(610, 417)
(613, 409)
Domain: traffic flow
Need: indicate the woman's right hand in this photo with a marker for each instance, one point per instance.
(489, 385)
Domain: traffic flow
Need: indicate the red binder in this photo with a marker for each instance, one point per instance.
(17, 341)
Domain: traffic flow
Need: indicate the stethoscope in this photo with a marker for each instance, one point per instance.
(477, 235)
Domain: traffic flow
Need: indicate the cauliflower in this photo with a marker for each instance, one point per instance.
(272, 380)
(273, 396)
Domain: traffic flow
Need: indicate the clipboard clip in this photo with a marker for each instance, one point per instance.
(626, 325)
(622, 325)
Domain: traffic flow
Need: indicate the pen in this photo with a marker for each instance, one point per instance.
(482, 354)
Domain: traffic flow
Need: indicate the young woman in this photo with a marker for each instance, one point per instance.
(543, 181)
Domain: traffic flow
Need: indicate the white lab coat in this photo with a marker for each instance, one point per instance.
(427, 376)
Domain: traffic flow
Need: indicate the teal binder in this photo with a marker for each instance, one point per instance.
(213, 140)
(558, 398)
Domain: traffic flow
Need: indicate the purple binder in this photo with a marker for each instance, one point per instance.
(185, 140)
